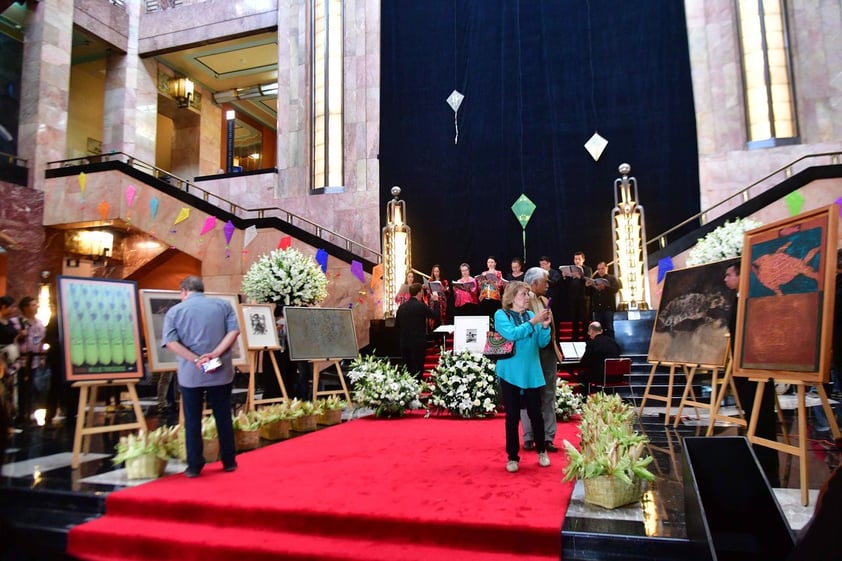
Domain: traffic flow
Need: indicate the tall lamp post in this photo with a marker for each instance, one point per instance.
(396, 251)
(629, 225)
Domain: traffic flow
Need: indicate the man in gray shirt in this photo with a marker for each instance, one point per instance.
(201, 331)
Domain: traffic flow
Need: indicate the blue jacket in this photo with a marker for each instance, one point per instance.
(524, 368)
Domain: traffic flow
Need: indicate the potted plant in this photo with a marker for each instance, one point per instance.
(275, 421)
(146, 454)
(246, 431)
(389, 390)
(210, 441)
(612, 460)
(304, 415)
(330, 410)
(464, 384)
(285, 277)
(567, 402)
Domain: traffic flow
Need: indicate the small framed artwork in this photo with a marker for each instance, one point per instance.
(785, 308)
(99, 329)
(469, 333)
(155, 305)
(259, 326)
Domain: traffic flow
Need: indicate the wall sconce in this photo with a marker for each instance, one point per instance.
(45, 310)
(396, 251)
(629, 227)
(181, 89)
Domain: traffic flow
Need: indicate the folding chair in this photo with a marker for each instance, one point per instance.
(617, 371)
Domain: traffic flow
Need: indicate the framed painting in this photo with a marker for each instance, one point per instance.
(320, 333)
(99, 329)
(469, 333)
(155, 304)
(785, 309)
(691, 326)
(259, 323)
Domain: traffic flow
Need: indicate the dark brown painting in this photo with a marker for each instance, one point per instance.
(691, 326)
(785, 313)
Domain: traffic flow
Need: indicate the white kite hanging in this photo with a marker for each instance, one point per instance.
(454, 100)
(595, 146)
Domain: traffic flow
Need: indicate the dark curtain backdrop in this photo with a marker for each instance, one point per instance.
(539, 78)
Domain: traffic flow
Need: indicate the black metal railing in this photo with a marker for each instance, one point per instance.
(304, 224)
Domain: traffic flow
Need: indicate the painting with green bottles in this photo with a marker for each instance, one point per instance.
(99, 328)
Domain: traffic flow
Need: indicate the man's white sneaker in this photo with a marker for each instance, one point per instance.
(511, 466)
(543, 459)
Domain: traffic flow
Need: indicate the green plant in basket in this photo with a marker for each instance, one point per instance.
(331, 403)
(567, 402)
(160, 442)
(464, 384)
(209, 428)
(389, 390)
(246, 421)
(609, 445)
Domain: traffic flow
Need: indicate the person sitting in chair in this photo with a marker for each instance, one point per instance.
(599, 347)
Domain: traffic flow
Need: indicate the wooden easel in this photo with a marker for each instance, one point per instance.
(316, 393)
(85, 415)
(801, 449)
(727, 383)
(692, 400)
(668, 398)
(254, 356)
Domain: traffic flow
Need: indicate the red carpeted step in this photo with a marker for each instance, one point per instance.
(185, 541)
(365, 489)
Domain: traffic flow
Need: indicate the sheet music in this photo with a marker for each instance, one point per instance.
(572, 350)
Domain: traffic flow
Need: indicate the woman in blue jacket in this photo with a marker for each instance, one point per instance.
(521, 377)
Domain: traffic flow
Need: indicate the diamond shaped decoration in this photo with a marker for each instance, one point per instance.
(454, 100)
(523, 209)
(595, 145)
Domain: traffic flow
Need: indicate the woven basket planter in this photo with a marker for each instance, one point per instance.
(332, 417)
(307, 423)
(210, 449)
(611, 492)
(246, 439)
(147, 466)
(276, 430)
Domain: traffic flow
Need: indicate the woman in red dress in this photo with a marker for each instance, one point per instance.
(465, 293)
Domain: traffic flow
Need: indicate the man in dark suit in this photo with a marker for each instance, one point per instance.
(599, 347)
(603, 289)
(411, 321)
(577, 296)
(767, 421)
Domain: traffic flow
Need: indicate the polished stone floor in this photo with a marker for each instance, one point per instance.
(37, 465)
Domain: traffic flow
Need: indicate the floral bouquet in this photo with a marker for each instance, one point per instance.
(285, 277)
(722, 243)
(567, 403)
(464, 384)
(389, 390)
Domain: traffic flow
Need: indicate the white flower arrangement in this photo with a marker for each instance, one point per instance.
(389, 390)
(464, 384)
(567, 403)
(722, 243)
(285, 277)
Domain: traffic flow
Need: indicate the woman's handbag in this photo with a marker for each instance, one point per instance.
(497, 347)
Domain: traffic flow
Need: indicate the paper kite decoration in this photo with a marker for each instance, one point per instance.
(523, 208)
(595, 146)
(454, 100)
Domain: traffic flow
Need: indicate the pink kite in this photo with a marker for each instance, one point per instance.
(210, 224)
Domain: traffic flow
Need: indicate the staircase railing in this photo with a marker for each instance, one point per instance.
(321, 232)
(747, 193)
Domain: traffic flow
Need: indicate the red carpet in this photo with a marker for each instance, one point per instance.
(410, 488)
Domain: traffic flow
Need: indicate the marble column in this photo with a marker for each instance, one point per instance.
(131, 98)
(42, 133)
